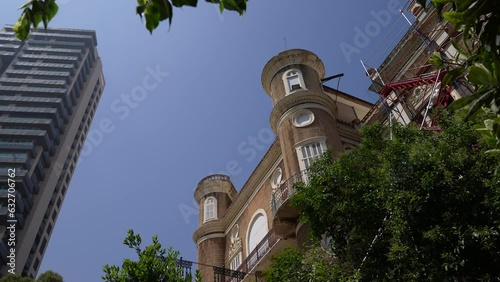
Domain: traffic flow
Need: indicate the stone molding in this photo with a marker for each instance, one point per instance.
(287, 58)
(216, 183)
(310, 97)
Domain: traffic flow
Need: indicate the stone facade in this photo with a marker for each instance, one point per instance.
(245, 228)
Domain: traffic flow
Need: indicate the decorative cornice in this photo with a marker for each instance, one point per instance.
(290, 57)
(215, 183)
(234, 248)
(207, 229)
(298, 98)
(210, 236)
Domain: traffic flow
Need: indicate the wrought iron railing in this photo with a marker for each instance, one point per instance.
(286, 190)
(256, 255)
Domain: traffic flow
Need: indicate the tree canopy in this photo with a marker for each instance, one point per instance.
(47, 276)
(152, 11)
(50, 276)
(155, 264)
(423, 206)
(297, 265)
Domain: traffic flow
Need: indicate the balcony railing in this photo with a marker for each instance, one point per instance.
(256, 255)
(286, 190)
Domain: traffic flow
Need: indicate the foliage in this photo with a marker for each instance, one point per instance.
(47, 276)
(423, 206)
(296, 265)
(477, 63)
(50, 276)
(15, 278)
(155, 264)
(153, 11)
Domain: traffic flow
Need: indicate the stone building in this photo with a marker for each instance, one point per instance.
(241, 230)
(410, 87)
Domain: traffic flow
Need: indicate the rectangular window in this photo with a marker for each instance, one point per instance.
(210, 209)
(293, 82)
(236, 262)
(308, 153)
(42, 246)
(35, 265)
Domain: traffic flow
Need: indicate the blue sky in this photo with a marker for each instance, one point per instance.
(203, 103)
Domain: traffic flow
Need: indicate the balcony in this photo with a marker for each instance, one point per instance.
(284, 215)
(285, 191)
(258, 259)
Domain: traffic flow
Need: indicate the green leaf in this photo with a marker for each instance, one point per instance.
(164, 8)
(462, 102)
(152, 22)
(488, 124)
(22, 27)
(479, 75)
(235, 5)
(52, 9)
(483, 99)
(448, 78)
(436, 61)
(494, 152)
(37, 14)
(453, 17)
(180, 3)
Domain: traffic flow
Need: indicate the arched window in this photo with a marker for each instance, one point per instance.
(293, 81)
(257, 230)
(210, 209)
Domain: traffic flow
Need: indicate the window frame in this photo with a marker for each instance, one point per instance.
(286, 81)
(206, 217)
(236, 261)
(303, 165)
(303, 112)
(251, 227)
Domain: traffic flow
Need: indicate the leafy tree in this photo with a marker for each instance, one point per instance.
(153, 11)
(47, 276)
(155, 264)
(15, 278)
(423, 206)
(50, 276)
(296, 265)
